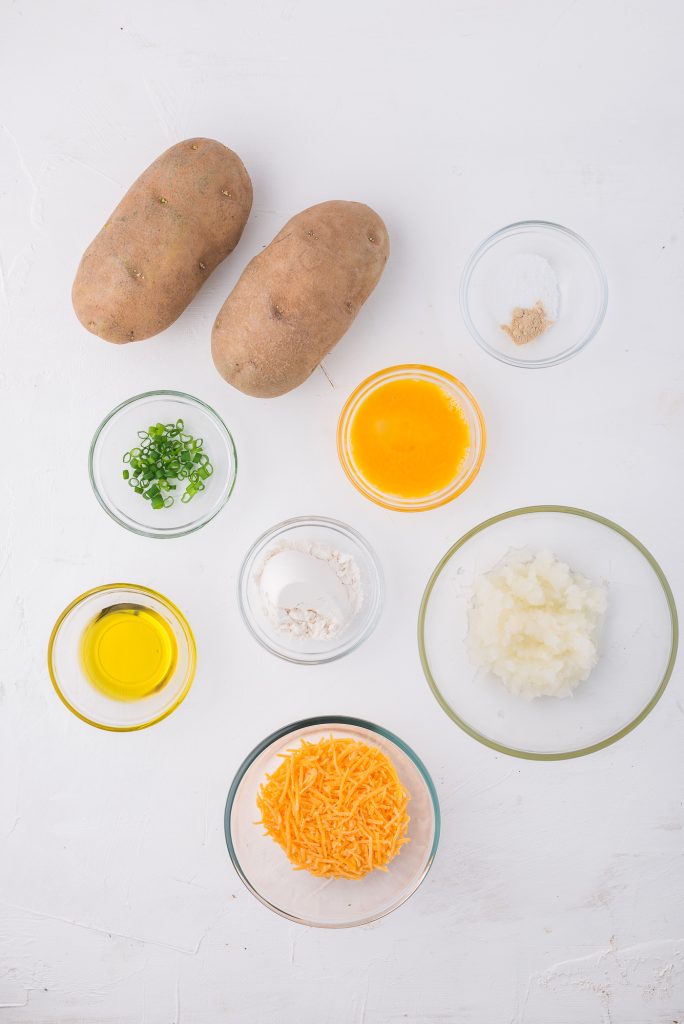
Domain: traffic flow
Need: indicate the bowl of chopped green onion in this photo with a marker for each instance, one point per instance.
(162, 464)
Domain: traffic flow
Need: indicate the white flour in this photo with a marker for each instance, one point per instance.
(309, 591)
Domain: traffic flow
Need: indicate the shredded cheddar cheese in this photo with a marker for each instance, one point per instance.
(336, 807)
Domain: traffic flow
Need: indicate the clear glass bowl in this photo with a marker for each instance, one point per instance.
(305, 530)
(75, 689)
(637, 651)
(336, 902)
(118, 433)
(468, 469)
(582, 285)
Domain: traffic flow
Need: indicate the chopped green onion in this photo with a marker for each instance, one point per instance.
(166, 455)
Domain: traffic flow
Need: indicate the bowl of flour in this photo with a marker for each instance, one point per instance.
(310, 590)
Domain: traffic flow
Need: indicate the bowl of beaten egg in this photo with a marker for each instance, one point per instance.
(411, 438)
(547, 632)
(121, 657)
(332, 822)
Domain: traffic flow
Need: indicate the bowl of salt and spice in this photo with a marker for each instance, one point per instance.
(533, 294)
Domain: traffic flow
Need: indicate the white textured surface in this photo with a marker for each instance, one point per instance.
(556, 896)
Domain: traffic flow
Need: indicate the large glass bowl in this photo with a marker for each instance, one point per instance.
(637, 649)
(582, 286)
(312, 530)
(468, 469)
(118, 433)
(72, 684)
(334, 902)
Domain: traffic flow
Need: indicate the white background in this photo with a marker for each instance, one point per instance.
(556, 895)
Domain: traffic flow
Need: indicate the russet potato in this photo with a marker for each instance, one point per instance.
(296, 299)
(176, 223)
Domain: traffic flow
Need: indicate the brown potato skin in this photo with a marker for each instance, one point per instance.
(295, 300)
(176, 223)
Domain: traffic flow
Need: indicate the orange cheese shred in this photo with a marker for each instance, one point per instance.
(336, 807)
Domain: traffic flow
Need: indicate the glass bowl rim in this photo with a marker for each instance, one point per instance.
(196, 524)
(148, 592)
(488, 243)
(298, 726)
(526, 754)
(346, 531)
(397, 372)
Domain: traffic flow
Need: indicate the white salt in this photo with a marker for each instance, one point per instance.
(526, 280)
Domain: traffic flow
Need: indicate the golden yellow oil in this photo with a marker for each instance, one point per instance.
(128, 652)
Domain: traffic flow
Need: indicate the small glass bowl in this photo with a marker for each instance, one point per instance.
(75, 689)
(637, 646)
(582, 285)
(334, 902)
(312, 530)
(118, 433)
(468, 469)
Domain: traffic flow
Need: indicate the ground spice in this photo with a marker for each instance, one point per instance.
(527, 324)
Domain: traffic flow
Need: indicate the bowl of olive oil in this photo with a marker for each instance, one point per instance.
(121, 657)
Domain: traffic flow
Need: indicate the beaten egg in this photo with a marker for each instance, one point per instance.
(408, 438)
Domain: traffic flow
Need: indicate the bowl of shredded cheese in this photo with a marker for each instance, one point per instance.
(332, 822)
(548, 632)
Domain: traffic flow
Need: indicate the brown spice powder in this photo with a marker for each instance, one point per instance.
(527, 324)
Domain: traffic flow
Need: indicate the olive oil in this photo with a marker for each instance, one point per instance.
(128, 652)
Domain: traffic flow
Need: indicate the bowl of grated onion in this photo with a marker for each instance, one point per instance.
(547, 681)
